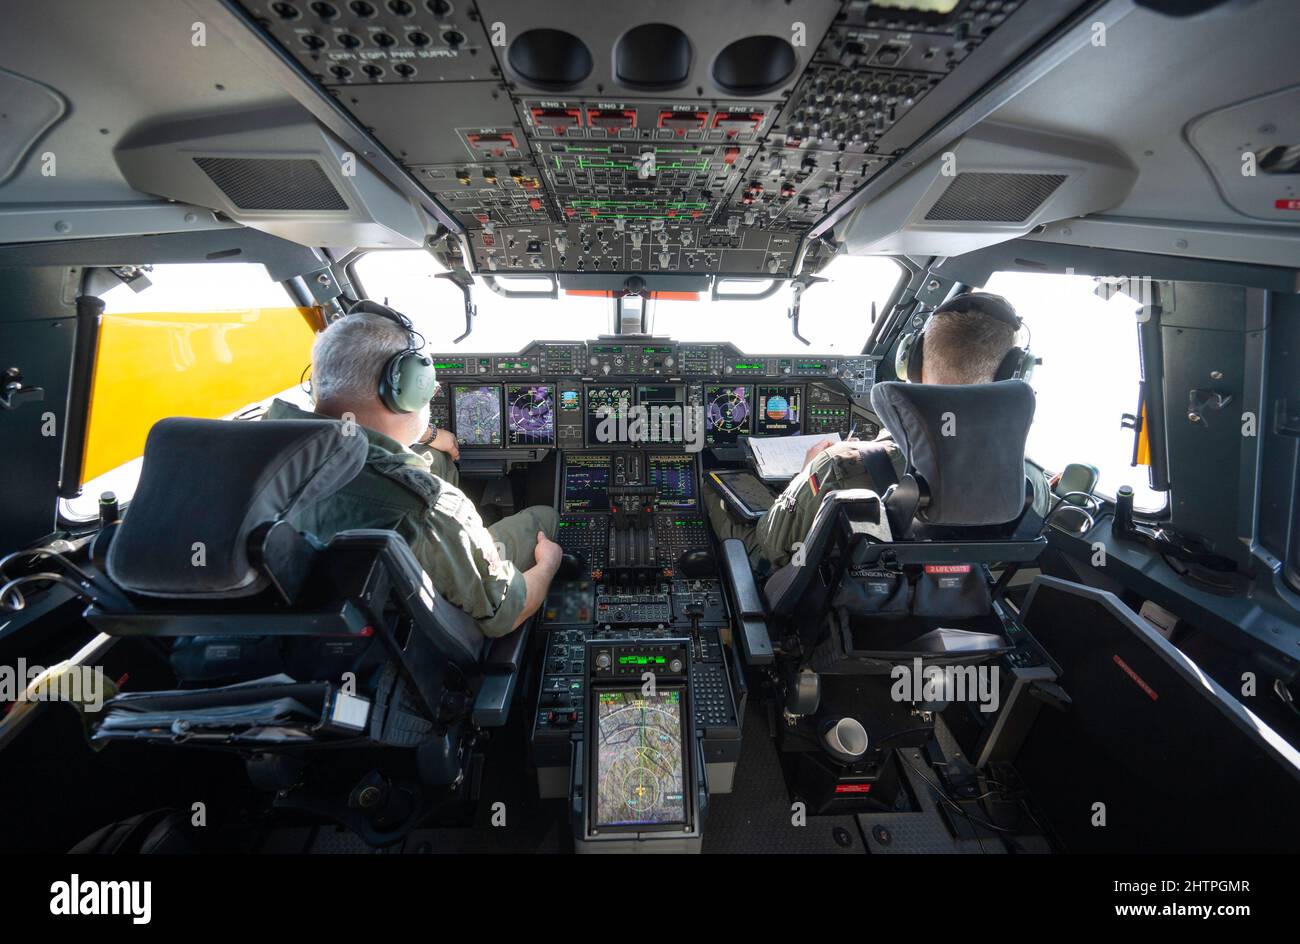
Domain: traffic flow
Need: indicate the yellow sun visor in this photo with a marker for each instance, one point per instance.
(150, 365)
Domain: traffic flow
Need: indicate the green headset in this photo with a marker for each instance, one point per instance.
(408, 379)
(1018, 363)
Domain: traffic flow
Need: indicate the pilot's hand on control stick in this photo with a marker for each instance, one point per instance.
(816, 450)
(548, 553)
(445, 442)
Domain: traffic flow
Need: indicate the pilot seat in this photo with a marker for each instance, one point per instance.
(353, 690)
(890, 610)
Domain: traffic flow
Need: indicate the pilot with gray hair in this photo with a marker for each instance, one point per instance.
(970, 339)
(368, 369)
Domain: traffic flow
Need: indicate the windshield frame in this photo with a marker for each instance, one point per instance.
(906, 276)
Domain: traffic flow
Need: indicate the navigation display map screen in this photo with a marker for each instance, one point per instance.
(530, 414)
(727, 413)
(477, 409)
(586, 483)
(614, 400)
(639, 769)
(779, 412)
(674, 480)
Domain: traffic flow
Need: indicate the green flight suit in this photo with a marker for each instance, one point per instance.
(415, 494)
(770, 541)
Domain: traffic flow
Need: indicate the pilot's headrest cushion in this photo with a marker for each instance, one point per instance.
(206, 485)
(965, 442)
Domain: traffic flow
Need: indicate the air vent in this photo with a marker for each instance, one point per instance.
(994, 198)
(258, 183)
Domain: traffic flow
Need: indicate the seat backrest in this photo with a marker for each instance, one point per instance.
(193, 556)
(207, 485)
(964, 445)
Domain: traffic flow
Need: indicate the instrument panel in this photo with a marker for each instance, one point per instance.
(616, 392)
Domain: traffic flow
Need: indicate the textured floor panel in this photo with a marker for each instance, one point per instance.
(755, 817)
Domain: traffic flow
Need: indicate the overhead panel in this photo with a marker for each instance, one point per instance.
(673, 136)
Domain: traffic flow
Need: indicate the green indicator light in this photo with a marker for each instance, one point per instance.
(641, 660)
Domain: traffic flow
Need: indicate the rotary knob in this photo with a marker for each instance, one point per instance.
(675, 665)
(603, 661)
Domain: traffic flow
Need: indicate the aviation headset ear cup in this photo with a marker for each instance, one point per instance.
(406, 382)
(907, 360)
(1015, 365)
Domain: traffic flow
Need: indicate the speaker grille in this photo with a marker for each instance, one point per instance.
(266, 183)
(994, 198)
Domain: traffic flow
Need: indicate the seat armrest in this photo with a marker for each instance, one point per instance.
(501, 668)
(755, 644)
(506, 653)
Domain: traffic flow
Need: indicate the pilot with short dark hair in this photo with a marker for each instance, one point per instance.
(499, 575)
(963, 345)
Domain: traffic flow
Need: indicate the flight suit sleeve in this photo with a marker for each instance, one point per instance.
(786, 523)
(466, 566)
(440, 464)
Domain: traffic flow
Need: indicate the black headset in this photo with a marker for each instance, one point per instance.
(408, 379)
(1018, 363)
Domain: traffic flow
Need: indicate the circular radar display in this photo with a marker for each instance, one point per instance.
(531, 416)
(727, 413)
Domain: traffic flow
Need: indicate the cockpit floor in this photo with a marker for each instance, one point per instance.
(756, 818)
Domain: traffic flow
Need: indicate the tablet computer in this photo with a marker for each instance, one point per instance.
(743, 492)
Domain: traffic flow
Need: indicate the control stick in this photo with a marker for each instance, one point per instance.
(572, 567)
(697, 562)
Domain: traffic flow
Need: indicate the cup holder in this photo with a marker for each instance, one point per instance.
(845, 739)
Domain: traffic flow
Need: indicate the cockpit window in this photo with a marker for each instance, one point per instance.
(1088, 379)
(209, 340)
(835, 316)
(408, 281)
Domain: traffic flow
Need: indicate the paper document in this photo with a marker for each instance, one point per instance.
(781, 457)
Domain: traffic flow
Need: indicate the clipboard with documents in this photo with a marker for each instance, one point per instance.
(780, 458)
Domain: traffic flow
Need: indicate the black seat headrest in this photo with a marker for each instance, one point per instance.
(206, 485)
(966, 443)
